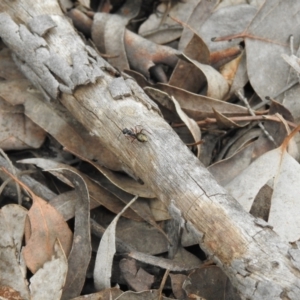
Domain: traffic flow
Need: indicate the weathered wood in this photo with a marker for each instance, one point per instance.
(258, 263)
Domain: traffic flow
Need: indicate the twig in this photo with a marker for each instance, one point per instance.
(244, 99)
(162, 284)
(292, 53)
(13, 170)
(209, 121)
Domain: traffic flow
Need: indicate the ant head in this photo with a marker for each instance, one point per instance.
(125, 131)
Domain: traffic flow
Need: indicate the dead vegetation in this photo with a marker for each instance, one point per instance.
(112, 127)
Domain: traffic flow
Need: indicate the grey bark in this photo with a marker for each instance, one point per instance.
(57, 61)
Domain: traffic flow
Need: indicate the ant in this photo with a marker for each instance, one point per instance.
(134, 134)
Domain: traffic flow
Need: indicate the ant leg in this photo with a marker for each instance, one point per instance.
(128, 137)
(133, 130)
(141, 131)
(144, 130)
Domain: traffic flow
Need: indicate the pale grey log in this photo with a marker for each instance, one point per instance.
(258, 263)
(41, 24)
(119, 89)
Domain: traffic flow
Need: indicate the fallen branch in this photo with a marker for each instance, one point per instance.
(55, 59)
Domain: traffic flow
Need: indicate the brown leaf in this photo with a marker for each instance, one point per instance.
(186, 75)
(217, 86)
(47, 225)
(190, 123)
(81, 21)
(7, 292)
(141, 236)
(210, 283)
(241, 76)
(228, 71)
(159, 210)
(137, 279)
(108, 32)
(123, 182)
(224, 122)
(98, 194)
(177, 281)
(143, 54)
(222, 57)
(195, 106)
(80, 254)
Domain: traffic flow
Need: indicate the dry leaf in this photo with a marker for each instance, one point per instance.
(196, 20)
(279, 165)
(15, 216)
(224, 122)
(267, 72)
(53, 273)
(146, 239)
(98, 194)
(161, 29)
(108, 32)
(190, 123)
(210, 283)
(106, 252)
(145, 295)
(241, 76)
(159, 210)
(227, 169)
(125, 183)
(195, 106)
(217, 86)
(186, 75)
(137, 278)
(6, 292)
(106, 294)
(46, 225)
(80, 254)
(225, 21)
(143, 54)
(177, 281)
(13, 274)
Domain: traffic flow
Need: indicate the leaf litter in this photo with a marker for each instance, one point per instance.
(195, 82)
(284, 173)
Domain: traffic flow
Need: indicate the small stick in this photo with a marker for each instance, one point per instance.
(244, 99)
(209, 121)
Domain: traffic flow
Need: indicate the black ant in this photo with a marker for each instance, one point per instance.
(134, 134)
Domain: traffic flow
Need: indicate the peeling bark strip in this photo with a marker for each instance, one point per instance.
(44, 67)
(56, 60)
